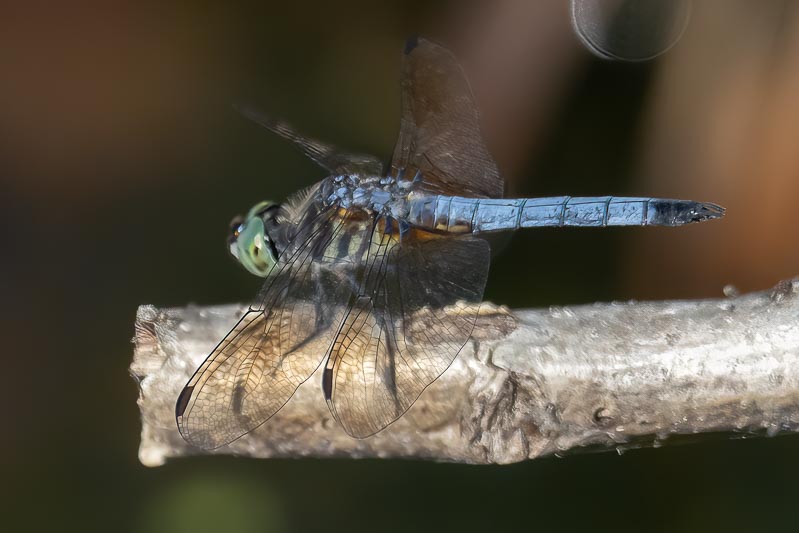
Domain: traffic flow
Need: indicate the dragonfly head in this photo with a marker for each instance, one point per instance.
(249, 241)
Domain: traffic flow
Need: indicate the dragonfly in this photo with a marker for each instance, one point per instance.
(384, 268)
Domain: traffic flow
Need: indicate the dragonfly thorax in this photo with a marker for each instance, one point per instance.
(376, 194)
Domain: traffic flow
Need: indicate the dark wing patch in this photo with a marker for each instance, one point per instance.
(410, 44)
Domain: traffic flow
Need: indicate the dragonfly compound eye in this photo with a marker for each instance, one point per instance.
(251, 247)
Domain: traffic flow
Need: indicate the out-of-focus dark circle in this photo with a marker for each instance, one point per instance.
(629, 30)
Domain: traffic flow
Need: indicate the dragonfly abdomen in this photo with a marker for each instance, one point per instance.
(455, 214)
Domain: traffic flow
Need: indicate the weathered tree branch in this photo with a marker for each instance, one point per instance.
(534, 383)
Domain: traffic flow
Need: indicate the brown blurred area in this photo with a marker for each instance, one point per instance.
(122, 162)
(722, 123)
(94, 90)
(108, 84)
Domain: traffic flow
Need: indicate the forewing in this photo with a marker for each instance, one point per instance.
(278, 343)
(325, 155)
(414, 312)
(439, 130)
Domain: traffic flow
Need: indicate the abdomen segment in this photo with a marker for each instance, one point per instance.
(455, 214)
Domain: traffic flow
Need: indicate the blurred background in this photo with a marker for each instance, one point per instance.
(122, 162)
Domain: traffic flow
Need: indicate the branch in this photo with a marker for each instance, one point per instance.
(528, 384)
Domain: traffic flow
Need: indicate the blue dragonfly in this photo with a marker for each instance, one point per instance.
(383, 268)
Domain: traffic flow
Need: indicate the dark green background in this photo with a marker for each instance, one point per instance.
(136, 211)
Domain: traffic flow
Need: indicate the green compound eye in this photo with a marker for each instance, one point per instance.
(250, 243)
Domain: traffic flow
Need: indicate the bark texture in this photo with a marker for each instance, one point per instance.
(529, 383)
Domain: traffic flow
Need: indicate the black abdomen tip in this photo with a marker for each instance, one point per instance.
(679, 212)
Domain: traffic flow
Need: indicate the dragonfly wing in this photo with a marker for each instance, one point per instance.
(325, 155)
(408, 323)
(278, 343)
(439, 130)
